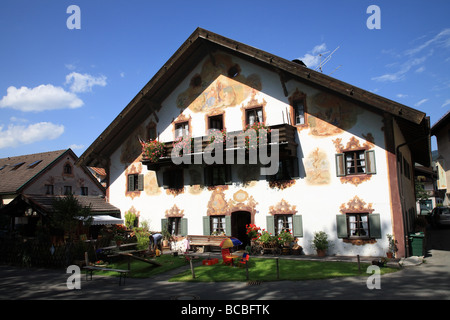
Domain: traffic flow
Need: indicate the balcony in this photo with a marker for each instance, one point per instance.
(287, 147)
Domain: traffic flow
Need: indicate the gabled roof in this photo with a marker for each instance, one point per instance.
(13, 177)
(18, 172)
(203, 43)
(445, 119)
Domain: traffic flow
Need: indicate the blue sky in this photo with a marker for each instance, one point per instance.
(62, 87)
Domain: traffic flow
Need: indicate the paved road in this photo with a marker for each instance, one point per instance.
(430, 280)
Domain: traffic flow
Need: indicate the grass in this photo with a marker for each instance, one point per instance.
(141, 269)
(260, 269)
(265, 270)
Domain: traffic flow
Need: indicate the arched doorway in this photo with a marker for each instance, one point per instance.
(239, 219)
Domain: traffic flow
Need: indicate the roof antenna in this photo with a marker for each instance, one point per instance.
(325, 61)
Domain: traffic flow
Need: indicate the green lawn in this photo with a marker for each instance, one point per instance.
(260, 269)
(265, 270)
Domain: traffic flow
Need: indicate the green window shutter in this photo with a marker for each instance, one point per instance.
(141, 182)
(131, 182)
(297, 226)
(375, 226)
(164, 223)
(183, 227)
(270, 224)
(340, 165)
(228, 225)
(206, 226)
(341, 226)
(370, 161)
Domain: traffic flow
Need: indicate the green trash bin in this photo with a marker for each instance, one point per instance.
(416, 241)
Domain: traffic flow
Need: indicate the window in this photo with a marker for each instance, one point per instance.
(283, 222)
(173, 226)
(17, 165)
(299, 111)
(181, 129)
(279, 222)
(135, 182)
(34, 164)
(215, 122)
(355, 162)
(177, 226)
(49, 189)
(84, 191)
(67, 169)
(218, 225)
(217, 175)
(173, 179)
(67, 190)
(359, 226)
(253, 115)
(287, 170)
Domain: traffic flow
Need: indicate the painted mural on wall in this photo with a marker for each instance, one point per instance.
(329, 115)
(151, 186)
(220, 84)
(317, 168)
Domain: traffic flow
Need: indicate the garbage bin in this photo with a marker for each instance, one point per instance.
(416, 241)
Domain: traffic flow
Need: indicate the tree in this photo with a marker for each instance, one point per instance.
(67, 213)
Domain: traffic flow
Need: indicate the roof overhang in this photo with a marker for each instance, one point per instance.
(203, 43)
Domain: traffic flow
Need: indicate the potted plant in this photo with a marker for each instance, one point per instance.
(285, 238)
(118, 239)
(166, 236)
(320, 243)
(392, 246)
(152, 150)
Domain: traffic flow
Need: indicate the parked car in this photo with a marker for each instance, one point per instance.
(440, 216)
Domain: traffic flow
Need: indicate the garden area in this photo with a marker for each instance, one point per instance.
(259, 269)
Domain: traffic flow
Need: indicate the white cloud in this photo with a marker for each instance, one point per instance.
(427, 48)
(312, 58)
(441, 39)
(446, 103)
(420, 102)
(76, 146)
(84, 82)
(16, 135)
(40, 98)
(401, 95)
(400, 74)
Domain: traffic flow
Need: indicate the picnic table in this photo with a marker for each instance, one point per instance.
(122, 273)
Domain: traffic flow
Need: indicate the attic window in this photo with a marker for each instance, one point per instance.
(17, 165)
(34, 164)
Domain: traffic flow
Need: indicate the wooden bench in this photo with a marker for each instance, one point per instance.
(122, 273)
(204, 241)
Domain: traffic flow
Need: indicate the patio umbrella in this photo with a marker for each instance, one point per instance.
(236, 241)
(226, 243)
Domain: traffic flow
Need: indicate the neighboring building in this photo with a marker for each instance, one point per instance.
(441, 130)
(30, 183)
(345, 155)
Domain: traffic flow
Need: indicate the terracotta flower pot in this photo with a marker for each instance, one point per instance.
(321, 253)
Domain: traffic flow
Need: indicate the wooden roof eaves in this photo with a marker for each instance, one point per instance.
(318, 78)
(121, 124)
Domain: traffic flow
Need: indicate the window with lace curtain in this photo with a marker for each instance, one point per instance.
(253, 116)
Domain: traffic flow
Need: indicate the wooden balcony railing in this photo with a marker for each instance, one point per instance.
(286, 145)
